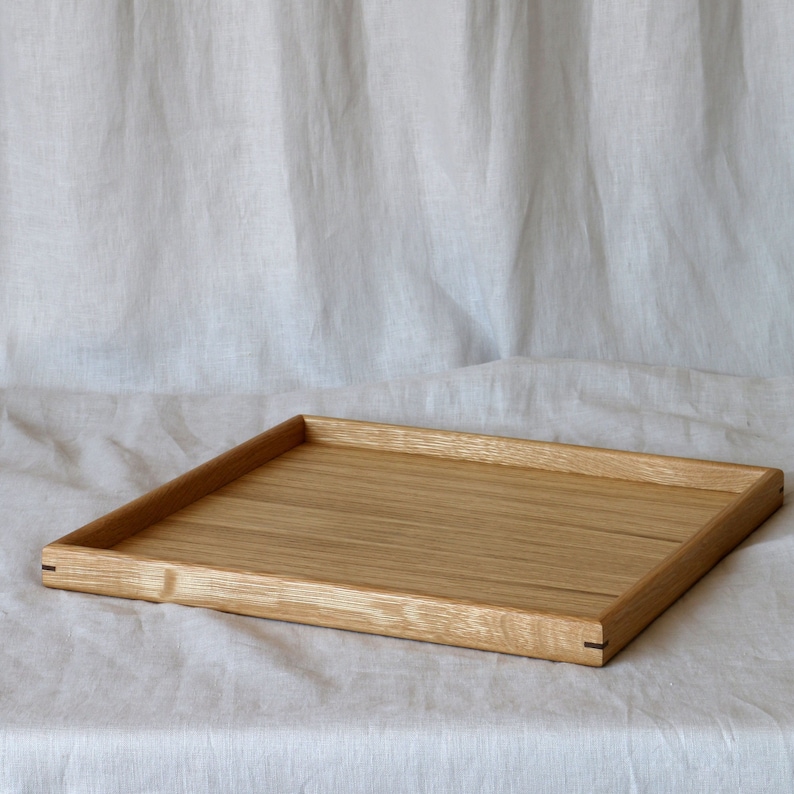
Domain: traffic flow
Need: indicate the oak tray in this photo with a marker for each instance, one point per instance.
(538, 549)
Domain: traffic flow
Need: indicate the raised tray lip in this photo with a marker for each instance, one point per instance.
(548, 455)
(758, 493)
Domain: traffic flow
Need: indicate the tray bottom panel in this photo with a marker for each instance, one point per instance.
(472, 532)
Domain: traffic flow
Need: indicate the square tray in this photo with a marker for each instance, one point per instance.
(524, 547)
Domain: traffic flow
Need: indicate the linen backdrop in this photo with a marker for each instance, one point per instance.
(558, 220)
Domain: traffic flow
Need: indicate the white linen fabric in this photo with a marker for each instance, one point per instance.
(270, 196)
(101, 694)
(563, 221)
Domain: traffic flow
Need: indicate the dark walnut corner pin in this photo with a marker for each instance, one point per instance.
(521, 547)
(599, 646)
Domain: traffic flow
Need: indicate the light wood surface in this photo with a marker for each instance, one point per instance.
(369, 610)
(456, 529)
(631, 466)
(651, 595)
(189, 487)
(467, 540)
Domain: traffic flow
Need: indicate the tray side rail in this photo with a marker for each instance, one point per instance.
(156, 505)
(403, 615)
(635, 609)
(549, 456)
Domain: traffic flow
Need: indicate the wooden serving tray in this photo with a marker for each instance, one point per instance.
(538, 549)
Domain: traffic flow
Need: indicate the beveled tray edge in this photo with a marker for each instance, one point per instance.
(82, 560)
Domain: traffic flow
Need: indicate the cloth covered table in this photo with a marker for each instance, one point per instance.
(100, 692)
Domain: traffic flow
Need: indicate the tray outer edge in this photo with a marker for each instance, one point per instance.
(187, 488)
(403, 615)
(83, 547)
(660, 588)
(547, 455)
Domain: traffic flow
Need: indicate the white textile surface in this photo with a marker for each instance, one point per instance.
(556, 220)
(98, 692)
(280, 195)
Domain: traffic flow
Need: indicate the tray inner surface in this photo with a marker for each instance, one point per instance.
(524, 538)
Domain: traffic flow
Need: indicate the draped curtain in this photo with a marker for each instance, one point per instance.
(209, 196)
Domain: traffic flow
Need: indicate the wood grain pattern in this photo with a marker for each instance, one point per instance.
(326, 604)
(650, 596)
(631, 466)
(349, 507)
(189, 487)
(445, 537)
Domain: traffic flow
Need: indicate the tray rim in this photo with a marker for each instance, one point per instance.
(88, 564)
